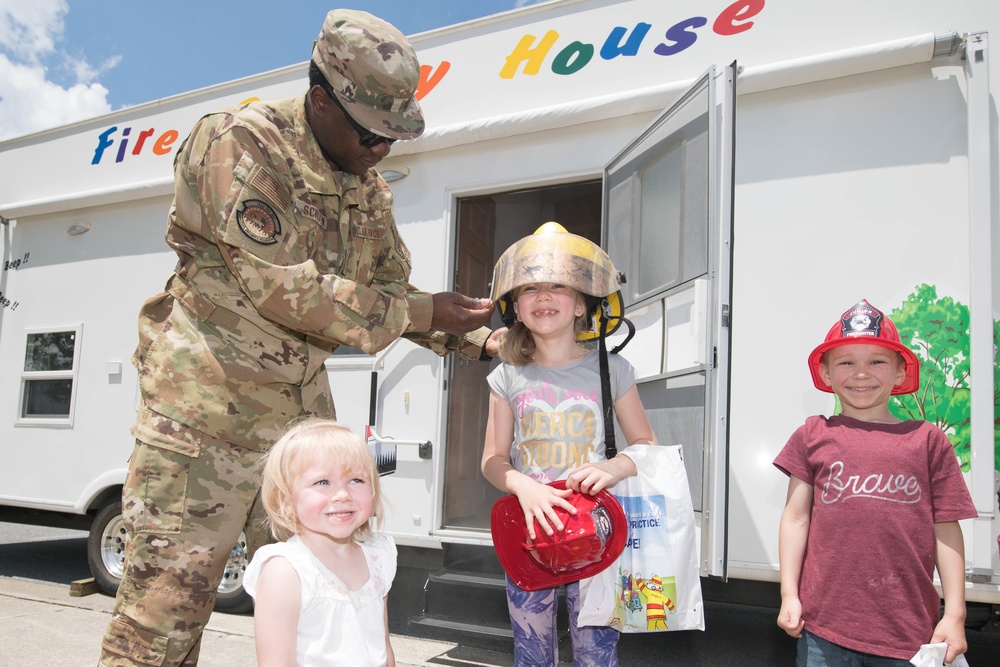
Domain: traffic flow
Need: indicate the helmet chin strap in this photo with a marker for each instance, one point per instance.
(610, 447)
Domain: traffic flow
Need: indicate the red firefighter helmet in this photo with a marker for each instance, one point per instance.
(592, 539)
(865, 324)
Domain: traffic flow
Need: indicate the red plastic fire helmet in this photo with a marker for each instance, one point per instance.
(592, 540)
(863, 323)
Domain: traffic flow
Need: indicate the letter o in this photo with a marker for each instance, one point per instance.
(573, 58)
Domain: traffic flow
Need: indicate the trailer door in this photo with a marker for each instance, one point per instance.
(667, 224)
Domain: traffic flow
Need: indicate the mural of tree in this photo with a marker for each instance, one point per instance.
(937, 330)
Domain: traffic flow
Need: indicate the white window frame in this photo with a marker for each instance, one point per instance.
(705, 295)
(72, 374)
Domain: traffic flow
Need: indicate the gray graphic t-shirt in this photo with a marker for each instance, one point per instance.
(558, 421)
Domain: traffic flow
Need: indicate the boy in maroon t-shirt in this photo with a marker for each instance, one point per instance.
(873, 504)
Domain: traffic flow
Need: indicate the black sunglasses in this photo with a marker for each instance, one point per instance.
(366, 137)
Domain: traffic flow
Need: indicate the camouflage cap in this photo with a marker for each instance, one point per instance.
(373, 70)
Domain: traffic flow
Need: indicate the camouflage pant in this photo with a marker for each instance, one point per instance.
(183, 515)
(536, 642)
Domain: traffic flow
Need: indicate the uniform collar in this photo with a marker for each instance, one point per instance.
(316, 171)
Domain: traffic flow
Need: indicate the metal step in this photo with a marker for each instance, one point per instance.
(479, 629)
(452, 577)
(466, 597)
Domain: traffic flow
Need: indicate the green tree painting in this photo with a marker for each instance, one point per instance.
(937, 329)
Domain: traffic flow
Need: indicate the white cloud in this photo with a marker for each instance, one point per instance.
(28, 29)
(29, 99)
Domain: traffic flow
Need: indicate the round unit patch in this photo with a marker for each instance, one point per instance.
(259, 221)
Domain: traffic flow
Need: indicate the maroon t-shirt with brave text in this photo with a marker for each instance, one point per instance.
(867, 582)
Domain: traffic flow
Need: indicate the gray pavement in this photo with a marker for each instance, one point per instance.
(41, 624)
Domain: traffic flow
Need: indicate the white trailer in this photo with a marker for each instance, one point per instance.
(753, 167)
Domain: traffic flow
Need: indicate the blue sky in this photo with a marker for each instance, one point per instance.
(66, 60)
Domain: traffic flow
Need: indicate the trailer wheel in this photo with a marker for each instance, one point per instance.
(106, 547)
(230, 597)
(106, 556)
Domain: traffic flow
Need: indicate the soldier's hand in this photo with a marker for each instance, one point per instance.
(493, 342)
(459, 314)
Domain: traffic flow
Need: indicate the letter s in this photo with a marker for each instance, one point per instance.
(681, 36)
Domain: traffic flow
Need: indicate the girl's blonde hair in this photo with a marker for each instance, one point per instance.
(308, 442)
(517, 346)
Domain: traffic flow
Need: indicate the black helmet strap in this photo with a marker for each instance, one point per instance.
(610, 446)
(507, 314)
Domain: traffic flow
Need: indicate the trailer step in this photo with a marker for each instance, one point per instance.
(452, 577)
(441, 623)
(467, 597)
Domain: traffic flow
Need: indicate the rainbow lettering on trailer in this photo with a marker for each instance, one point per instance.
(162, 145)
(527, 57)
(572, 58)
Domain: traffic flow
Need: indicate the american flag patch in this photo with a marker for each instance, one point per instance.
(269, 187)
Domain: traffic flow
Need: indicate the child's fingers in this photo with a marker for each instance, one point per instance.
(790, 626)
(540, 519)
(529, 521)
(562, 502)
(553, 516)
(593, 484)
(545, 514)
(561, 496)
(539, 516)
(590, 479)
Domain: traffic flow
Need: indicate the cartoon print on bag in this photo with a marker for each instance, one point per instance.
(658, 603)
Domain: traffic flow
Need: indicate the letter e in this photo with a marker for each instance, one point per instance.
(738, 11)
(166, 140)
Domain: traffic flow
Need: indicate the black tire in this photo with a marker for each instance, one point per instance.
(231, 598)
(106, 557)
(106, 547)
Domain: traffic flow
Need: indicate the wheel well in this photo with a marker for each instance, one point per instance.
(108, 495)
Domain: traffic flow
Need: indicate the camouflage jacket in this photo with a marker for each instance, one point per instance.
(280, 260)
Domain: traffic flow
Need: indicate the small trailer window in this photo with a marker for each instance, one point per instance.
(49, 376)
(658, 200)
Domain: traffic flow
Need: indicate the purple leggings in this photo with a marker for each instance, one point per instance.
(536, 644)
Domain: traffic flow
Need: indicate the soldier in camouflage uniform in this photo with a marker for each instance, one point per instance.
(287, 248)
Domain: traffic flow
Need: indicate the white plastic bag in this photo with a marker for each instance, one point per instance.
(932, 655)
(654, 585)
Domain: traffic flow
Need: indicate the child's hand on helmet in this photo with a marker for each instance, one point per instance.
(593, 478)
(537, 501)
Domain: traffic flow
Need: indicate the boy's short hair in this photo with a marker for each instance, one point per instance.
(302, 445)
(864, 324)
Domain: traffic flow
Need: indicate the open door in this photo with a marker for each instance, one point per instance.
(667, 224)
(467, 493)
(487, 225)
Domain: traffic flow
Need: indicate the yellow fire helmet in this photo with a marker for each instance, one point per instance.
(553, 255)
